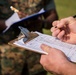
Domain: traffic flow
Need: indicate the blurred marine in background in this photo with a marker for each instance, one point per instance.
(15, 61)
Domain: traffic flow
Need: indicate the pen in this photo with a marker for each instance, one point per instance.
(14, 9)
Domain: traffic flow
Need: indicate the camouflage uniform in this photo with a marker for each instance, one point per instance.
(12, 59)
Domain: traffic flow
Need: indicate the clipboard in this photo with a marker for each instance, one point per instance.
(33, 35)
(35, 15)
(35, 40)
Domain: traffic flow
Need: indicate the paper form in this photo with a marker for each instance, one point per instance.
(34, 45)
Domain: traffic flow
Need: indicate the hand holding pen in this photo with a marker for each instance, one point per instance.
(65, 29)
(21, 14)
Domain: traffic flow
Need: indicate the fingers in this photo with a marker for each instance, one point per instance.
(58, 29)
(58, 33)
(60, 23)
(45, 48)
(55, 31)
(61, 35)
(55, 23)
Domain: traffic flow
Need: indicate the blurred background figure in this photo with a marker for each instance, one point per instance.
(15, 61)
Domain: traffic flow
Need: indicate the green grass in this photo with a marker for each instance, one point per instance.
(64, 8)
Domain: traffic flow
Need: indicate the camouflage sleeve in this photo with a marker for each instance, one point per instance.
(5, 13)
(49, 5)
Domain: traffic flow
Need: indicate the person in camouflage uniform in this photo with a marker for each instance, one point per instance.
(16, 61)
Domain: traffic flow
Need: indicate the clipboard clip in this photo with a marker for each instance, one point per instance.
(25, 32)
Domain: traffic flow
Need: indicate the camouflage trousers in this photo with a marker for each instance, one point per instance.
(12, 61)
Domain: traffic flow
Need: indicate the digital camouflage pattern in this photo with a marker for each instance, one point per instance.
(12, 59)
(33, 6)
